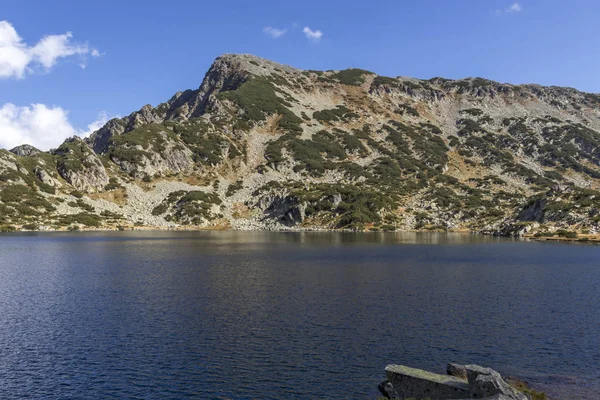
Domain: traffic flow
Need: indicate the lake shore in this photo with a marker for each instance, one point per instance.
(582, 238)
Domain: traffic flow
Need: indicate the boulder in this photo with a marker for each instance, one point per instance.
(473, 371)
(480, 383)
(411, 382)
(456, 370)
(485, 382)
(486, 386)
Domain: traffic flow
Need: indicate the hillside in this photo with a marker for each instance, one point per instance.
(261, 145)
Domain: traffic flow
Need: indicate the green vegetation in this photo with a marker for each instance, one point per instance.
(408, 110)
(468, 127)
(340, 113)
(353, 144)
(563, 233)
(234, 187)
(74, 155)
(258, 98)
(356, 206)
(113, 184)
(384, 80)
(352, 77)
(81, 204)
(475, 112)
(86, 219)
(193, 207)
(312, 155)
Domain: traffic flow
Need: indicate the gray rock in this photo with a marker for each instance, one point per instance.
(473, 371)
(388, 390)
(80, 166)
(25, 150)
(490, 385)
(456, 370)
(45, 177)
(411, 382)
(284, 209)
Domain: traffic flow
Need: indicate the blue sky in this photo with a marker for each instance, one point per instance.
(139, 52)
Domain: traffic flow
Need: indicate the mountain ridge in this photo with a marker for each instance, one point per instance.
(260, 145)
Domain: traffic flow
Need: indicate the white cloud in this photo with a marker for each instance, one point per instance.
(513, 8)
(18, 59)
(312, 35)
(102, 119)
(40, 126)
(274, 32)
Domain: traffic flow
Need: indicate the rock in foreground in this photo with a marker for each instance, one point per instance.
(480, 383)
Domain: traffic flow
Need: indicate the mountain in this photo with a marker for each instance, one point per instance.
(260, 145)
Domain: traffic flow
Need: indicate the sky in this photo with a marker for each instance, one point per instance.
(67, 66)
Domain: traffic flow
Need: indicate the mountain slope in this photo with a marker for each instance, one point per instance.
(260, 145)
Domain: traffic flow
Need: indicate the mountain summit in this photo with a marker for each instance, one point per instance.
(260, 145)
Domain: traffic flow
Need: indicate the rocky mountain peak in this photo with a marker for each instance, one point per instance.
(25, 150)
(262, 145)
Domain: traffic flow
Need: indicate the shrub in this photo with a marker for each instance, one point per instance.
(340, 113)
(234, 187)
(352, 76)
(31, 227)
(258, 98)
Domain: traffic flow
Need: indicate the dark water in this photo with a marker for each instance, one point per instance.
(288, 315)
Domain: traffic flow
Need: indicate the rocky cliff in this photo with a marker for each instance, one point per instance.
(261, 145)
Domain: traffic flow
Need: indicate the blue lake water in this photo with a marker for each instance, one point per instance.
(241, 315)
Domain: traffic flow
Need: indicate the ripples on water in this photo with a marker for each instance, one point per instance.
(288, 315)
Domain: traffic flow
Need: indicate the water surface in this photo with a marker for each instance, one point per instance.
(288, 315)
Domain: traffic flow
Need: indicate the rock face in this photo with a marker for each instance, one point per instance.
(478, 383)
(45, 177)
(80, 166)
(343, 149)
(25, 150)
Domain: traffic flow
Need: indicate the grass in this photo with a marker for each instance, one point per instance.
(524, 388)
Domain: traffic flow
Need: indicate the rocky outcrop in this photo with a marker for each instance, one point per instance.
(99, 140)
(80, 166)
(479, 383)
(161, 155)
(46, 178)
(411, 382)
(25, 150)
(286, 210)
(226, 73)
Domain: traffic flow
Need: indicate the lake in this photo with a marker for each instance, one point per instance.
(217, 315)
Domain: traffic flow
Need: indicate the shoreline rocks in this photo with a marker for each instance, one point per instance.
(460, 383)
